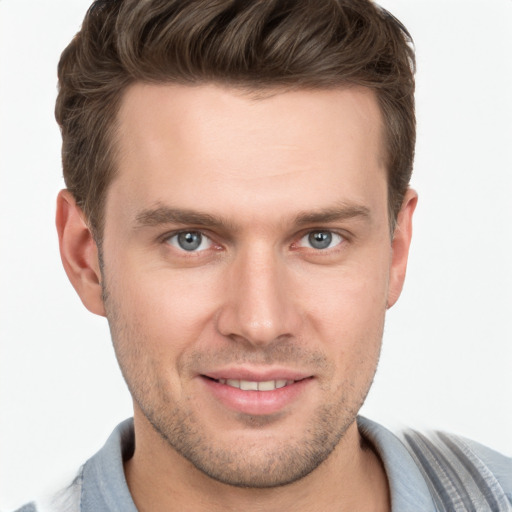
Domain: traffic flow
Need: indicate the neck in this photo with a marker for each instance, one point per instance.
(352, 478)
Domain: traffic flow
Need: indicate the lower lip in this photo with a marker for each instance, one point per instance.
(256, 402)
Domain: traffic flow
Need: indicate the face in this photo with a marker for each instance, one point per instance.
(247, 267)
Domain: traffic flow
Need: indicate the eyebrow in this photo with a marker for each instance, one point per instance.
(167, 215)
(338, 213)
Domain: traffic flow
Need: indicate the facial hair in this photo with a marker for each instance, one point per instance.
(248, 461)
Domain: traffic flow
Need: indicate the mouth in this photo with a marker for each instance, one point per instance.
(252, 394)
(253, 385)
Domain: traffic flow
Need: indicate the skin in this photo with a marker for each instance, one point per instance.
(255, 177)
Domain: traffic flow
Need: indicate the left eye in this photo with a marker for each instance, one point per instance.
(320, 240)
(190, 241)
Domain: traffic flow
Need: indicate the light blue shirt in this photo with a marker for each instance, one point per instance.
(101, 485)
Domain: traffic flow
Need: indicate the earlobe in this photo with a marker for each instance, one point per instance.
(400, 246)
(79, 252)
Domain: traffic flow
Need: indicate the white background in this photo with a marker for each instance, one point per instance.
(447, 356)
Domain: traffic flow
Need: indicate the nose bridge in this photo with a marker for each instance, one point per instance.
(258, 306)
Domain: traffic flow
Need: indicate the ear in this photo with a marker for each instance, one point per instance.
(79, 252)
(400, 246)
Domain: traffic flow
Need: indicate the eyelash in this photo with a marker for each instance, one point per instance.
(170, 236)
(332, 236)
(342, 239)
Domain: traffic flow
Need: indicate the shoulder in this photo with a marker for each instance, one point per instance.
(29, 507)
(66, 500)
(439, 472)
(461, 470)
(100, 483)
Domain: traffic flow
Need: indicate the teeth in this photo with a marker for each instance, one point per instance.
(249, 385)
(269, 385)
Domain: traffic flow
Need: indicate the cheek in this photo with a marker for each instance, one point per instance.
(348, 315)
(168, 309)
(349, 297)
(155, 319)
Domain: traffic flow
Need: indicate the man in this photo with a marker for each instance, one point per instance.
(238, 208)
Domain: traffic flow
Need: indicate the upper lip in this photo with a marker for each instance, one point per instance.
(257, 375)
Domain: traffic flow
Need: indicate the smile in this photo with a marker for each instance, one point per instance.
(249, 385)
(257, 394)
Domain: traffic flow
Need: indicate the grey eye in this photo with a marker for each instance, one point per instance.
(321, 240)
(190, 241)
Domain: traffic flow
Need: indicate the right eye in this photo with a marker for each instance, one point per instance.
(190, 241)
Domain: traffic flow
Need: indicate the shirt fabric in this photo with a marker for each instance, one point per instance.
(101, 485)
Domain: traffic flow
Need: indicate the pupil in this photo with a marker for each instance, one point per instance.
(190, 240)
(320, 239)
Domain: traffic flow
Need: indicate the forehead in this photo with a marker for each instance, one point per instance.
(203, 114)
(215, 144)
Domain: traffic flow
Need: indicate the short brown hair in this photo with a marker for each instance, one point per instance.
(252, 44)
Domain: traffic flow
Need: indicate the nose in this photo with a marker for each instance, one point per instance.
(259, 306)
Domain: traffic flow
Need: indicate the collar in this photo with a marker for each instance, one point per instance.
(408, 488)
(104, 487)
